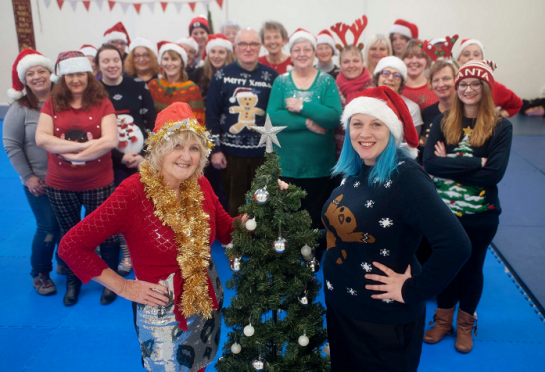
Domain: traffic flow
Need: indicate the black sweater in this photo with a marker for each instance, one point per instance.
(469, 189)
(384, 223)
(428, 116)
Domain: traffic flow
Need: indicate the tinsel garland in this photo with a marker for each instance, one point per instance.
(187, 218)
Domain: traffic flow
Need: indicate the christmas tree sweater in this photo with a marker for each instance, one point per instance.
(467, 188)
(237, 100)
(384, 223)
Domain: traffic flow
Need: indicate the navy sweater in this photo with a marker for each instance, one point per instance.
(469, 189)
(384, 223)
(237, 100)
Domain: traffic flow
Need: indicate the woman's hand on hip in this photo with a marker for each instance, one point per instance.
(393, 283)
(145, 293)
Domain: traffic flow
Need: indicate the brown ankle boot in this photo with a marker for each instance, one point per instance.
(443, 326)
(465, 324)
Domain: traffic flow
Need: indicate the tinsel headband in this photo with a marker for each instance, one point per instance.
(173, 127)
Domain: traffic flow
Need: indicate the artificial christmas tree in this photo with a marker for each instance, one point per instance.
(277, 324)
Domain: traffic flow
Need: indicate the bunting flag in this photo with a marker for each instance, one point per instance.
(151, 7)
(74, 4)
(47, 3)
(60, 3)
(99, 3)
(124, 7)
(137, 7)
(164, 5)
(178, 7)
(111, 4)
(86, 4)
(192, 6)
(220, 3)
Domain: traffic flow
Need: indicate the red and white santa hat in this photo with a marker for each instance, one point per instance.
(479, 69)
(163, 46)
(242, 92)
(404, 28)
(299, 34)
(117, 32)
(467, 42)
(217, 40)
(392, 62)
(189, 42)
(88, 50)
(70, 63)
(387, 106)
(143, 42)
(325, 37)
(201, 22)
(26, 59)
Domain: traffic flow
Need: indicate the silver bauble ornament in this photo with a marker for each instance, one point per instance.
(306, 252)
(280, 245)
(261, 196)
(258, 364)
(249, 330)
(234, 264)
(303, 340)
(327, 351)
(313, 265)
(251, 224)
(236, 348)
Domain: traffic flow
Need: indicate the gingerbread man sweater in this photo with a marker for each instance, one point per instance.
(384, 223)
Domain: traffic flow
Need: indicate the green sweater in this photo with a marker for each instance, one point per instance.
(305, 154)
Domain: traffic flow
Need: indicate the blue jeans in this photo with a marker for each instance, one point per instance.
(46, 236)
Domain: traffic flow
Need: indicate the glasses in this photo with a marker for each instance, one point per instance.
(302, 51)
(118, 43)
(142, 56)
(386, 74)
(476, 85)
(246, 45)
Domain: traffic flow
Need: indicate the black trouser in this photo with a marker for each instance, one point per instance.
(237, 179)
(358, 346)
(467, 287)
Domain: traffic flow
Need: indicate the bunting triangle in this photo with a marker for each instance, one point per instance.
(164, 5)
(74, 4)
(47, 3)
(137, 7)
(124, 7)
(60, 3)
(99, 3)
(111, 4)
(178, 7)
(220, 3)
(86, 4)
(151, 6)
(192, 6)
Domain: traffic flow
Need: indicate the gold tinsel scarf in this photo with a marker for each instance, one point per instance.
(186, 217)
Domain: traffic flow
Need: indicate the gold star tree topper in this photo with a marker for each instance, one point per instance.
(268, 134)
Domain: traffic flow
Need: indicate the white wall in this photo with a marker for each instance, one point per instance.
(512, 32)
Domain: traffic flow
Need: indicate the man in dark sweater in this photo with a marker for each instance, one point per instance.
(237, 100)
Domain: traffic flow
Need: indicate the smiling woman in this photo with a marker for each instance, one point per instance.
(416, 86)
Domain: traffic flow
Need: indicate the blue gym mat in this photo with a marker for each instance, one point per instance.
(40, 334)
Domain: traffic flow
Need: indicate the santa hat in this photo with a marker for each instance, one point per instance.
(26, 59)
(404, 28)
(70, 63)
(117, 32)
(163, 46)
(88, 50)
(217, 40)
(325, 37)
(189, 42)
(143, 42)
(482, 70)
(392, 62)
(201, 22)
(301, 34)
(467, 42)
(177, 118)
(241, 92)
(387, 106)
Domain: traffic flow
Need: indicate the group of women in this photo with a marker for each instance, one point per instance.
(151, 199)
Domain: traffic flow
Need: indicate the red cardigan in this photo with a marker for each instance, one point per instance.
(152, 246)
(506, 99)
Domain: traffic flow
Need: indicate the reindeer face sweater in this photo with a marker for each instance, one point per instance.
(384, 223)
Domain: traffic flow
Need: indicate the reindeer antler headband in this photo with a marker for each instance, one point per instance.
(444, 51)
(356, 28)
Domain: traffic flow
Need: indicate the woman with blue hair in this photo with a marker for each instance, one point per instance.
(375, 288)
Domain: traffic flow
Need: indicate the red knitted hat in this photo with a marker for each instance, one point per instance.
(404, 28)
(388, 107)
(216, 40)
(26, 59)
(201, 22)
(483, 70)
(117, 32)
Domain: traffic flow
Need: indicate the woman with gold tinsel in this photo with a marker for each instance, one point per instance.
(169, 216)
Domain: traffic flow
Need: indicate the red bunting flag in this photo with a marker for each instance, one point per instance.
(111, 4)
(164, 5)
(220, 3)
(60, 3)
(137, 7)
(192, 6)
(86, 4)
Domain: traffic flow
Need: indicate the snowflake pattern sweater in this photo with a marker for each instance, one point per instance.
(237, 100)
(384, 223)
(469, 189)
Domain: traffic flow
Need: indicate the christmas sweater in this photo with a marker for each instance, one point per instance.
(305, 154)
(423, 95)
(467, 188)
(237, 100)
(384, 223)
(136, 115)
(280, 68)
(164, 94)
(428, 116)
(506, 99)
